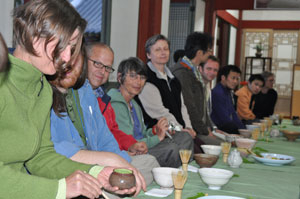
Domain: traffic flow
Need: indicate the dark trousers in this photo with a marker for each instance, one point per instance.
(230, 128)
(167, 151)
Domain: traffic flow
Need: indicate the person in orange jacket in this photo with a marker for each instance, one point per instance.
(246, 98)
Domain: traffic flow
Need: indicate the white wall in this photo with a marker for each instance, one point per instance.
(216, 36)
(232, 43)
(232, 39)
(124, 30)
(164, 28)
(199, 15)
(272, 15)
(6, 24)
(234, 13)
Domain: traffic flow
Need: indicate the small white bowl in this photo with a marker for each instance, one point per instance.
(245, 133)
(215, 178)
(245, 143)
(211, 149)
(163, 176)
(251, 127)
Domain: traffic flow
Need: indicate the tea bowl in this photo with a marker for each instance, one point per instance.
(211, 149)
(215, 178)
(163, 176)
(122, 178)
(296, 122)
(205, 160)
(245, 133)
(251, 127)
(245, 143)
(291, 135)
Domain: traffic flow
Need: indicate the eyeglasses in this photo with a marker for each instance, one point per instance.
(135, 76)
(100, 65)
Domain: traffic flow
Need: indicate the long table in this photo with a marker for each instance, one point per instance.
(254, 181)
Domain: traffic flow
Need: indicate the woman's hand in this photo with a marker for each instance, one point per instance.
(103, 177)
(190, 131)
(80, 183)
(138, 148)
(161, 127)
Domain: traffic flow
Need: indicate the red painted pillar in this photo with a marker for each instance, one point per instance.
(149, 23)
(210, 16)
(238, 44)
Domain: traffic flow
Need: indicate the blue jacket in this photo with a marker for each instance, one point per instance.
(222, 107)
(66, 138)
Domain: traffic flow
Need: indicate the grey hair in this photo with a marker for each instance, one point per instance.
(132, 64)
(90, 46)
(152, 40)
(266, 75)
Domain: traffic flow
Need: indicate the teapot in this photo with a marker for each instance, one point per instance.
(274, 133)
(235, 159)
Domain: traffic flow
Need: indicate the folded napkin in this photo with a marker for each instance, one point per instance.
(191, 168)
(159, 192)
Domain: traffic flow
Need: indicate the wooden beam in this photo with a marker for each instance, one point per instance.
(180, 1)
(271, 24)
(210, 17)
(238, 44)
(233, 4)
(227, 17)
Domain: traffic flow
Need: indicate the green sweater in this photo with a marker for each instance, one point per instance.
(123, 118)
(25, 104)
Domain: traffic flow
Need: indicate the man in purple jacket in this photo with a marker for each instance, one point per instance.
(223, 111)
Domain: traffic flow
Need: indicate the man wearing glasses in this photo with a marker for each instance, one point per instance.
(100, 61)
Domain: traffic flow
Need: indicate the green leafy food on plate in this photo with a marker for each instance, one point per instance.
(259, 149)
(200, 194)
(236, 175)
(265, 140)
(246, 161)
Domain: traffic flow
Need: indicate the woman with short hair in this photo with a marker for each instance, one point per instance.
(162, 96)
(132, 75)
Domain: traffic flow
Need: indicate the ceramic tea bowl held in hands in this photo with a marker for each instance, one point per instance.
(205, 160)
(122, 178)
(163, 176)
